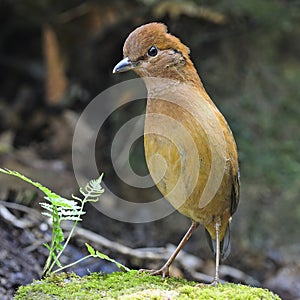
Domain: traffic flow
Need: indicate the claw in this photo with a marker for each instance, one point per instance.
(214, 283)
(163, 272)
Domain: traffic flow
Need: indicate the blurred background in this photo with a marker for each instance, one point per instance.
(56, 56)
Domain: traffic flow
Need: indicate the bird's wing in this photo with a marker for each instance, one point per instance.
(235, 192)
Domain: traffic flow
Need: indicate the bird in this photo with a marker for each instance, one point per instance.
(189, 147)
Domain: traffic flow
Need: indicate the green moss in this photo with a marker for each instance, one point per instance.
(134, 285)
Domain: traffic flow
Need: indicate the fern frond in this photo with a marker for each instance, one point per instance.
(59, 209)
(60, 201)
(66, 213)
(71, 218)
(46, 206)
(76, 198)
(93, 190)
(46, 214)
(96, 253)
(44, 189)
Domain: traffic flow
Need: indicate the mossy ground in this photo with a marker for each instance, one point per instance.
(133, 285)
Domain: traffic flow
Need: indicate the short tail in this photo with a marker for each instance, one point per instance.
(225, 246)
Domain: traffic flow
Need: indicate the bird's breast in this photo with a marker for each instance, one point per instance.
(177, 152)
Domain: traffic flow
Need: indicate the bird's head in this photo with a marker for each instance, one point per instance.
(153, 52)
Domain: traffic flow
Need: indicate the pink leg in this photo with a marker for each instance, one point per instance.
(164, 270)
(216, 278)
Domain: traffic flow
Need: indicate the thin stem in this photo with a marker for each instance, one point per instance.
(47, 268)
(67, 240)
(72, 264)
(86, 197)
(48, 261)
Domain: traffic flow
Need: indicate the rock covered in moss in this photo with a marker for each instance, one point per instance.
(134, 285)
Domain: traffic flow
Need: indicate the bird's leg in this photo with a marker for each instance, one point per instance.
(164, 270)
(216, 278)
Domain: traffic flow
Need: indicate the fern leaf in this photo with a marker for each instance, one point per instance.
(76, 198)
(96, 253)
(60, 201)
(46, 206)
(90, 249)
(93, 190)
(71, 218)
(45, 190)
(46, 214)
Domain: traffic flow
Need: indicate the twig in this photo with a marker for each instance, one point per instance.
(187, 261)
(20, 207)
(8, 216)
(190, 263)
(114, 246)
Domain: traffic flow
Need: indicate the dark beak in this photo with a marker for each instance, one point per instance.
(124, 65)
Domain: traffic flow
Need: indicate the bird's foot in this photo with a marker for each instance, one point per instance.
(214, 283)
(163, 272)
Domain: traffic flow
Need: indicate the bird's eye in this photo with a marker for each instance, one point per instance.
(152, 51)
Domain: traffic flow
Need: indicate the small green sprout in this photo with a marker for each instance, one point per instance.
(60, 209)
